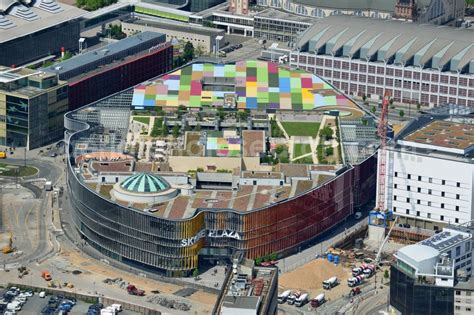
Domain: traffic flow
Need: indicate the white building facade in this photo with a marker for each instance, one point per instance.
(429, 188)
(365, 57)
(431, 185)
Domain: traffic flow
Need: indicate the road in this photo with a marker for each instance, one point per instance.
(375, 304)
(29, 218)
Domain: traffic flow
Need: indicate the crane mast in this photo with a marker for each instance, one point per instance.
(382, 133)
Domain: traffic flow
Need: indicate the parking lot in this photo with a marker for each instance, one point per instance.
(248, 48)
(49, 304)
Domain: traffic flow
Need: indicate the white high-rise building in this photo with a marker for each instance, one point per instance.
(430, 171)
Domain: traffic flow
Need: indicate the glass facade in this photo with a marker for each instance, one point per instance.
(17, 120)
(412, 298)
(173, 247)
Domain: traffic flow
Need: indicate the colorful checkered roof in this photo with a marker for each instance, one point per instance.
(258, 85)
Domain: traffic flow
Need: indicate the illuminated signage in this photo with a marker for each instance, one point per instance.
(210, 233)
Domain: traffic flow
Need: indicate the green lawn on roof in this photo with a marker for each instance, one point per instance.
(300, 149)
(309, 129)
(144, 120)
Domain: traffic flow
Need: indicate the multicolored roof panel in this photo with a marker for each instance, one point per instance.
(257, 85)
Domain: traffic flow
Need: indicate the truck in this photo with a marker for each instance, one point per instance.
(318, 300)
(292, 298)
(46, 275)
(355, 291)
(369, 271)
(269, 263)
(282, 297)
(48, 186)
(359, 270)
(352, 282)
(133, 290)
(330, 283)
(117, 307)
(302, 300)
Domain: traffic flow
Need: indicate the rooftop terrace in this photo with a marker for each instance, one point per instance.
(444, 133)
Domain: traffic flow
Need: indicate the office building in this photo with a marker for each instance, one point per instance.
(276, 25)
(114, 67)
(190, 6)
(32, 106)
(431, 11)
(429, 172)
(239, 6)
(33, 30)
(249, 290)
(203, 38)
(463, 296)
(423, 64)
(433, 276)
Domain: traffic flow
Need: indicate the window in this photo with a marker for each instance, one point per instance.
(442, 206)
(457, 208)
(419, 189)
(408, 199)
(396, 174)
(394, 197)
(442, 194)
(441, 218)
(407, 211)
(429, 191)
(458, 308)
(458, 292)
(458, 184)
(468, 309)
(394, 209)
(429, 203)
(468, 293)
(418, 213)
(428, 215)
(419, 178)
(468, 246)
(456, 220)
(430, 180)
(408, 188)
(409, 176)
(395, 186)
(443, 182)
(457, 196)
(418, 202)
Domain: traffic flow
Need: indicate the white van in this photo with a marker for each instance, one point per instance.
(117, 307)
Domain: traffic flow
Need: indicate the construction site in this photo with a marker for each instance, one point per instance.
(357, 266)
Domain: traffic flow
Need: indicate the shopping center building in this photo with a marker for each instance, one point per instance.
(215, 195)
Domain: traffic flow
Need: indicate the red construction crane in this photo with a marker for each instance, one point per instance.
(382, 133)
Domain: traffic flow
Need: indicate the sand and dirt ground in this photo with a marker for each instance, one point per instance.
(309, 278)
